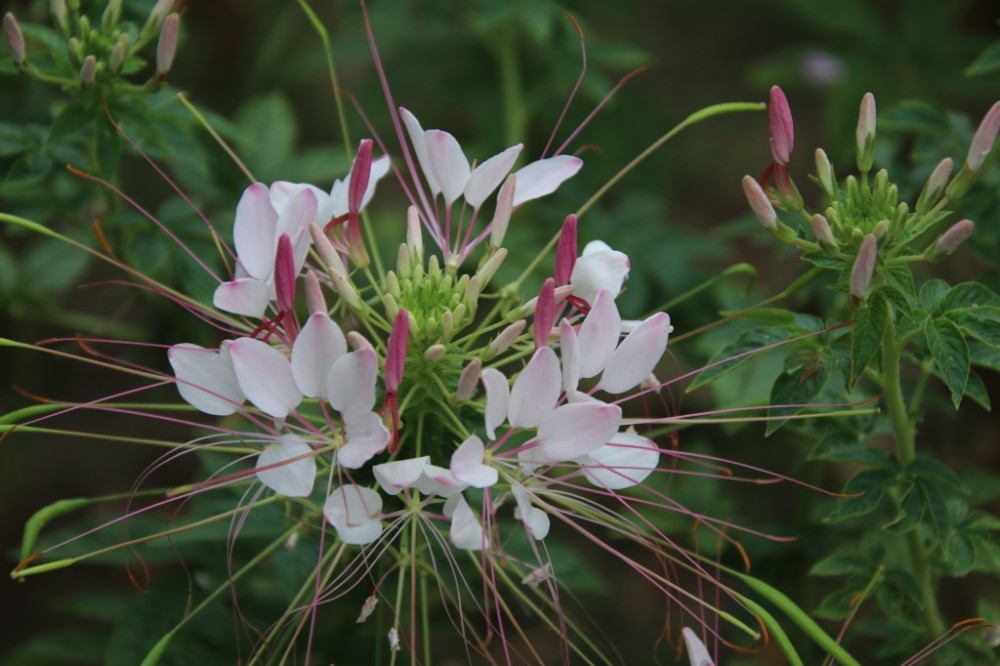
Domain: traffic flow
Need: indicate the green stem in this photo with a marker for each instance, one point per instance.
(905, 433)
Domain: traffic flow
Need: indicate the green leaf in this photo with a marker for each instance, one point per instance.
(932, 293)
(798, 387)
(823, 260)
(951, 356)
(936, 505)
(986, 357)
(925, 467)
(837, 605)
(975, 389)
(843, 447)
(982, 323)
(986, 62)
(68, 122)
(900, 277)
(108, 149)
(743, 347)
(911, 511)
(969, 295)
(866, 490)
(840, 564)
(866, 334)
(268, 132)
(961, 559)
(14, 139)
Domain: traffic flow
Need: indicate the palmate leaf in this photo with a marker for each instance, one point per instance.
(799, 387)
(725, 361)
(951, 356)
(866, 334)
(981, 323)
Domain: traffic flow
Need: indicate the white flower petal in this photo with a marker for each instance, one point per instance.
(355, 511)
(599, 267)
(497, 398)
(536, 521)
(536, 390)
(599, 334)
(294, 220)
(398, 475)
(244, 296)
(351, 382)
(265, 376)
(697, 652)
(449, 163)
(487, 176)
(319, 345)
(205, 379)
(532, 457)
(570, 348)
(291, 479)
(626, 460)
(283, 191)
(419, 142)
(467, 464)
(466, 533)
(544, 177)
(577, 429)
(254, 234)
(637, 355)
(439, 481)
(366, 436)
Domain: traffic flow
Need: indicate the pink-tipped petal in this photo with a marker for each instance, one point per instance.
(366, 436)
(466, 533)
(576, 429)
(351, 383)
(419, 142)
(536, 521)
(599, 334)
(449, 163)
(487, 176)
(626, 460)
(637, 355)
(501, 217)
(439, 481)
(282, 192)
(544, 177)
(467, 464)
(398, 475)
(244, 296)
(254, 231)
(599, 267)
(697, 652)
(294, 220)
(545, 313)
(265, 377)
(319, 344)
(497, 399)
(566, 251)
(355, 512)
(536, 390)
(395, 360)
(291, 479)
(205, 379)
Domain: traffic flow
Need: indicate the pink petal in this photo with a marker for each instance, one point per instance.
(497, 398)
(577, 429)
(466, 533)
(566, 251)
(626, 460)
(205, 379)
(355, 511)
(599, 267)
(544, 177)
(536, 521)
(448, 162)
(291, 479)
(244, 296)
(254, 231)
(351, 382)
(487, 176)
(599, 334)
(637, 355)
(366, 436)
(697, 653)
(398, 475)
(395, 357)
(545, 313)
(467, 464)
(536, 390)
(319, 345)
(419, 142)
(265, 377)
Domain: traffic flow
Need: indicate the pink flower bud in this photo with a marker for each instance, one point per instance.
(865, 134)
(505, 206)
(780, 124)
(760, 203)
(284, 274)
(506, 338)
(160, 11)
(166, 48)
(986, 136)
(824, 172)
(358, 342)
(435, 352)
(315, 301)
(935, 186)
(469, 380)
(361, 172)
(545, 313)
(566, 251)
(15, 39)
(414, 234)
(489, 268)
(88, 71)
(824, 234)
(395, 357)
(864, 267)
(956, 234)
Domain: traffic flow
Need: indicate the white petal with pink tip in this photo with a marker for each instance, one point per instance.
(398, 475)
(244, 296)
(287, 476)
(536, 521)
(366, 437)
(206, 379)
(599, 334)
(351, 382)
(626, 460)
(467, 464)
(355, 512)
(536, 390)
(497, 398)
(544, 177)
(487, 176)
(319, 345)
(449, 163)
(697, 652)
(466, 533)
(254, 231)
(577, 429)
(637, 355)
(265, 377)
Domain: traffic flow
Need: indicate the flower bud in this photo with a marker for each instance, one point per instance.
(358, 341)
(15, 38)
(986, 136)
(414, 234)
(949, 241)
(284, 274)
(112, 12)
(881, 229)
(159, 13)
(75, 48)
(166, 48)
(935, 185)
(566, 251)
(864, 267)
(469, 380)
(824, 172)
(545, 313)
(435, 353)
(472, 291)
(865, 134)
(824, 234)
(88, 71)
(403, 261)
(361, 172)
(58, 8)
(506, 338)
(780, 125)
(489, 268)
(117, 57)
(505, 206)
(315, 301)
(760, 203)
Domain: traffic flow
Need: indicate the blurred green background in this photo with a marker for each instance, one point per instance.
(486, 72)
